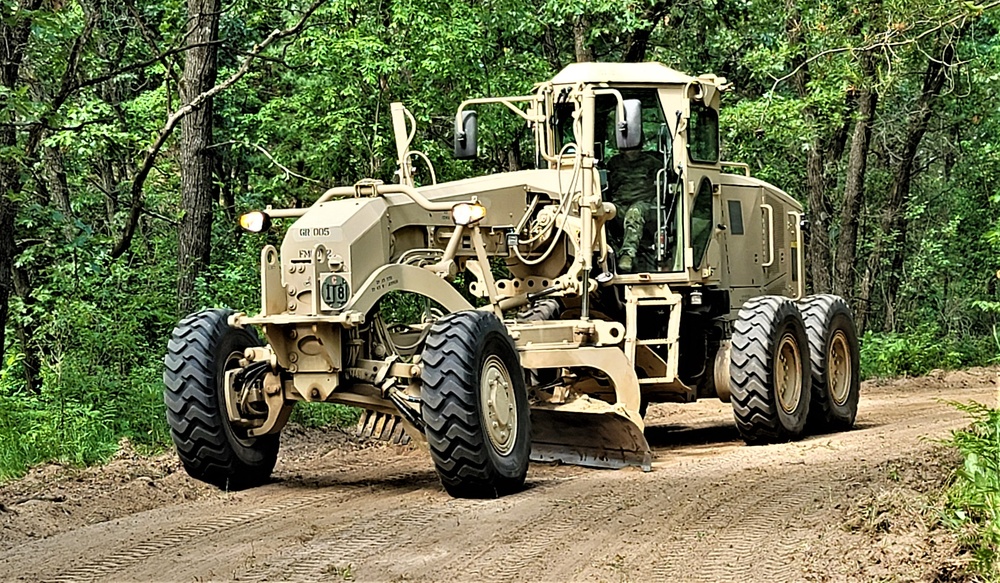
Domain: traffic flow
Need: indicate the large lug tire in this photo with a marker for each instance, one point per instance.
(475, 406)
(203, 346)
(770, 371)
(833, 348)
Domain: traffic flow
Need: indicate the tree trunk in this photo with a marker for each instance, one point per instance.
(854, 186)
(14, 31)
(819, 220)
(893, 220)
(7, 254)
(638, 41)
(581, 30)
(195, 233)
(551, 50)
(26, 334)
(57, 187)
(817, 200)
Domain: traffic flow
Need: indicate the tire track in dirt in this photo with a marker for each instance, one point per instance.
(577, 508)
(115, 562)
(734, 516)
(760, 513)
(750, 529)
(282, 502)
(735, 530)
(369, 535)
(539, 537)
(712, 509)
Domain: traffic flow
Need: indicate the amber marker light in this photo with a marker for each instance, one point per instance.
(255, 222)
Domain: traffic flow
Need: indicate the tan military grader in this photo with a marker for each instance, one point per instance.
(640, 268)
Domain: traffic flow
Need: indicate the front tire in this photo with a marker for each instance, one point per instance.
(770, 371)
(833, 347)
(203, 346)
(475, 406)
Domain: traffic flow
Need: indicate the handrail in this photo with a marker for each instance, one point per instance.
(660, 186)
(770, 234)
(743, 165)
(377, 188)
(358, 190)
(427, 161)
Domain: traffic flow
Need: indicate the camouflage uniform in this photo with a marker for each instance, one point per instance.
(632, 187)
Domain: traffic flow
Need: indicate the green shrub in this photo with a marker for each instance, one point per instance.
(894, 354)
(70, 422)
(324, 415)
(973, 500)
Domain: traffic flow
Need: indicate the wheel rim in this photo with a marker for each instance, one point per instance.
(788, 374)
(499, 405)
(839, 371)
(240, 434)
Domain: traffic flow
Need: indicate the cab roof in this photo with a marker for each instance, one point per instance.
(653, 73)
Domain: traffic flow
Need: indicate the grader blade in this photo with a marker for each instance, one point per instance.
(381, 426)
(605, 439)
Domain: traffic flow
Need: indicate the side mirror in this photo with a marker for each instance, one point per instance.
(466, 130)
(629, 130)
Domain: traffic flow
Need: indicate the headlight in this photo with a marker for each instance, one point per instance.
(256, 221)
(466, 214)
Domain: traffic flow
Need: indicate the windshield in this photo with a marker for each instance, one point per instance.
(605, 145)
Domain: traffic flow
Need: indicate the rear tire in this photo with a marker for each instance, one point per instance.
(833, 349)
(210, 448)
(475, 406)
(770, 371)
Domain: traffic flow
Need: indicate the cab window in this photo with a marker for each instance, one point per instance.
(604, 128)
(652, 119)
(701, 220)
(703, 134)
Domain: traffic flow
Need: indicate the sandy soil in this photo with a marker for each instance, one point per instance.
(854, 506)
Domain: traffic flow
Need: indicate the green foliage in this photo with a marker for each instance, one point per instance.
(317, 107)
(99, 330)
(973, 500)
(324, 415)
(64, 425)
(894, 354)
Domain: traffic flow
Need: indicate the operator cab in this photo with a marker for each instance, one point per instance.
(647, 183)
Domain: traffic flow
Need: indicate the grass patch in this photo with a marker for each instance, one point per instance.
(896, 354)
(80, 417)
(973, 500)
(64, 425)
(309, 414)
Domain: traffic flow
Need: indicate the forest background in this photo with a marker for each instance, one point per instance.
(133, 133)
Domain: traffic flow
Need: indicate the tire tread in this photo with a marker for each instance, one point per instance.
(449, 406)
(818, 312)
(193, 408)
(754, 407)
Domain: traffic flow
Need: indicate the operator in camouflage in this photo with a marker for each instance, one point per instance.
(632, 187)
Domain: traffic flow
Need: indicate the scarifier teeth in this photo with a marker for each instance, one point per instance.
(382, 426)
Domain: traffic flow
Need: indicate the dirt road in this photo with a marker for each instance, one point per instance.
(831, 507)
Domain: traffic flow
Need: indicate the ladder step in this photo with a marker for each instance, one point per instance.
(656, 380)
(654, 302)
(653, 341)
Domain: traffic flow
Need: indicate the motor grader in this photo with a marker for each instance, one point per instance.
(630, 266)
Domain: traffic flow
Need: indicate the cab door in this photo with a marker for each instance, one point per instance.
(702, 188)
